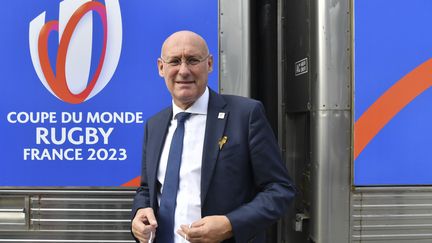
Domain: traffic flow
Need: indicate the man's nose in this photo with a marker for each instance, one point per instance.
(184, 69)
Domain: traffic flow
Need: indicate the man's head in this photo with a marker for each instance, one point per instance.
(185, 63)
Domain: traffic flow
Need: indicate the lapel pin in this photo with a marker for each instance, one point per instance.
(221, 115)
(222, 141)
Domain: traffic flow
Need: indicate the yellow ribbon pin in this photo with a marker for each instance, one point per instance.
(222, 141)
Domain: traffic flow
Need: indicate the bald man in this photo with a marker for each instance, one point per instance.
(227, 182)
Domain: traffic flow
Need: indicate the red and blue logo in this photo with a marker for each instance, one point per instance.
(70, 81)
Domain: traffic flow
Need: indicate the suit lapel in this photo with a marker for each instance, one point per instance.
(159, 131)
(215, 127)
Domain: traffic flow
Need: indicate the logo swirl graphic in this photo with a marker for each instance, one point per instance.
(70, 82)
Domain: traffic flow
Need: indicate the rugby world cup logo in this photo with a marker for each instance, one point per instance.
(70, 81)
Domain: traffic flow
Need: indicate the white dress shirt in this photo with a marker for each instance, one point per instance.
(188, 207)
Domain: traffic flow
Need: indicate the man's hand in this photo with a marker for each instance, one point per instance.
(144, 225)
(208, 229)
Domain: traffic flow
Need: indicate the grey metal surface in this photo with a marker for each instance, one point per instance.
(332, 89)
(234, 47)
(280, 74)
(318, 118)
(392, 214)
(65, 215)
(295, 39)
(331, 126)
(12, 212)
(330, 176)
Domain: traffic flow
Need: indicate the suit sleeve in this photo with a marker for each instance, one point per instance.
(142, 196)
(275, 189)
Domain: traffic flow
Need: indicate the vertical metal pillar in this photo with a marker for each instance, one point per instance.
(331, 123)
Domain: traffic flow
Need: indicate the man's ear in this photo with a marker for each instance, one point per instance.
(160, 67)
(210, 63)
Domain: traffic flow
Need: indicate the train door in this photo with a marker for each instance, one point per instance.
(295, 57)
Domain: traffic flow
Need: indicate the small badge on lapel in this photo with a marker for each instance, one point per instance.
(222, 141)
(221, 115)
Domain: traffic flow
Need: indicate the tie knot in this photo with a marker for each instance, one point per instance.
(182, 116)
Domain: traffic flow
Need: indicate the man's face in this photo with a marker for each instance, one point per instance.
(185, 65)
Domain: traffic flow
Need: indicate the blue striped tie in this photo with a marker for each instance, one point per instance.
(168, 199)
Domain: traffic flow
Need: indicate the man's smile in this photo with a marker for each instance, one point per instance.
(184, 82)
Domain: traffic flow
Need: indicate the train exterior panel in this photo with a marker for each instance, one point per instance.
(345, 85)
(352, 95)
(79, 79)
(392, 55)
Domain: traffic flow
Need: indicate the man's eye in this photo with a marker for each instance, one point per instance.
(193, 61)
(174, 62)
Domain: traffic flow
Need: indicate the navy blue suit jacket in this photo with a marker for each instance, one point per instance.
(246, 180)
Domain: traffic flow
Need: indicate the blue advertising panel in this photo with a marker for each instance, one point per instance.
(393, 76)
(78, 81)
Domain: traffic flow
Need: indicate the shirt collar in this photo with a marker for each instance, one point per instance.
(198, 107)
